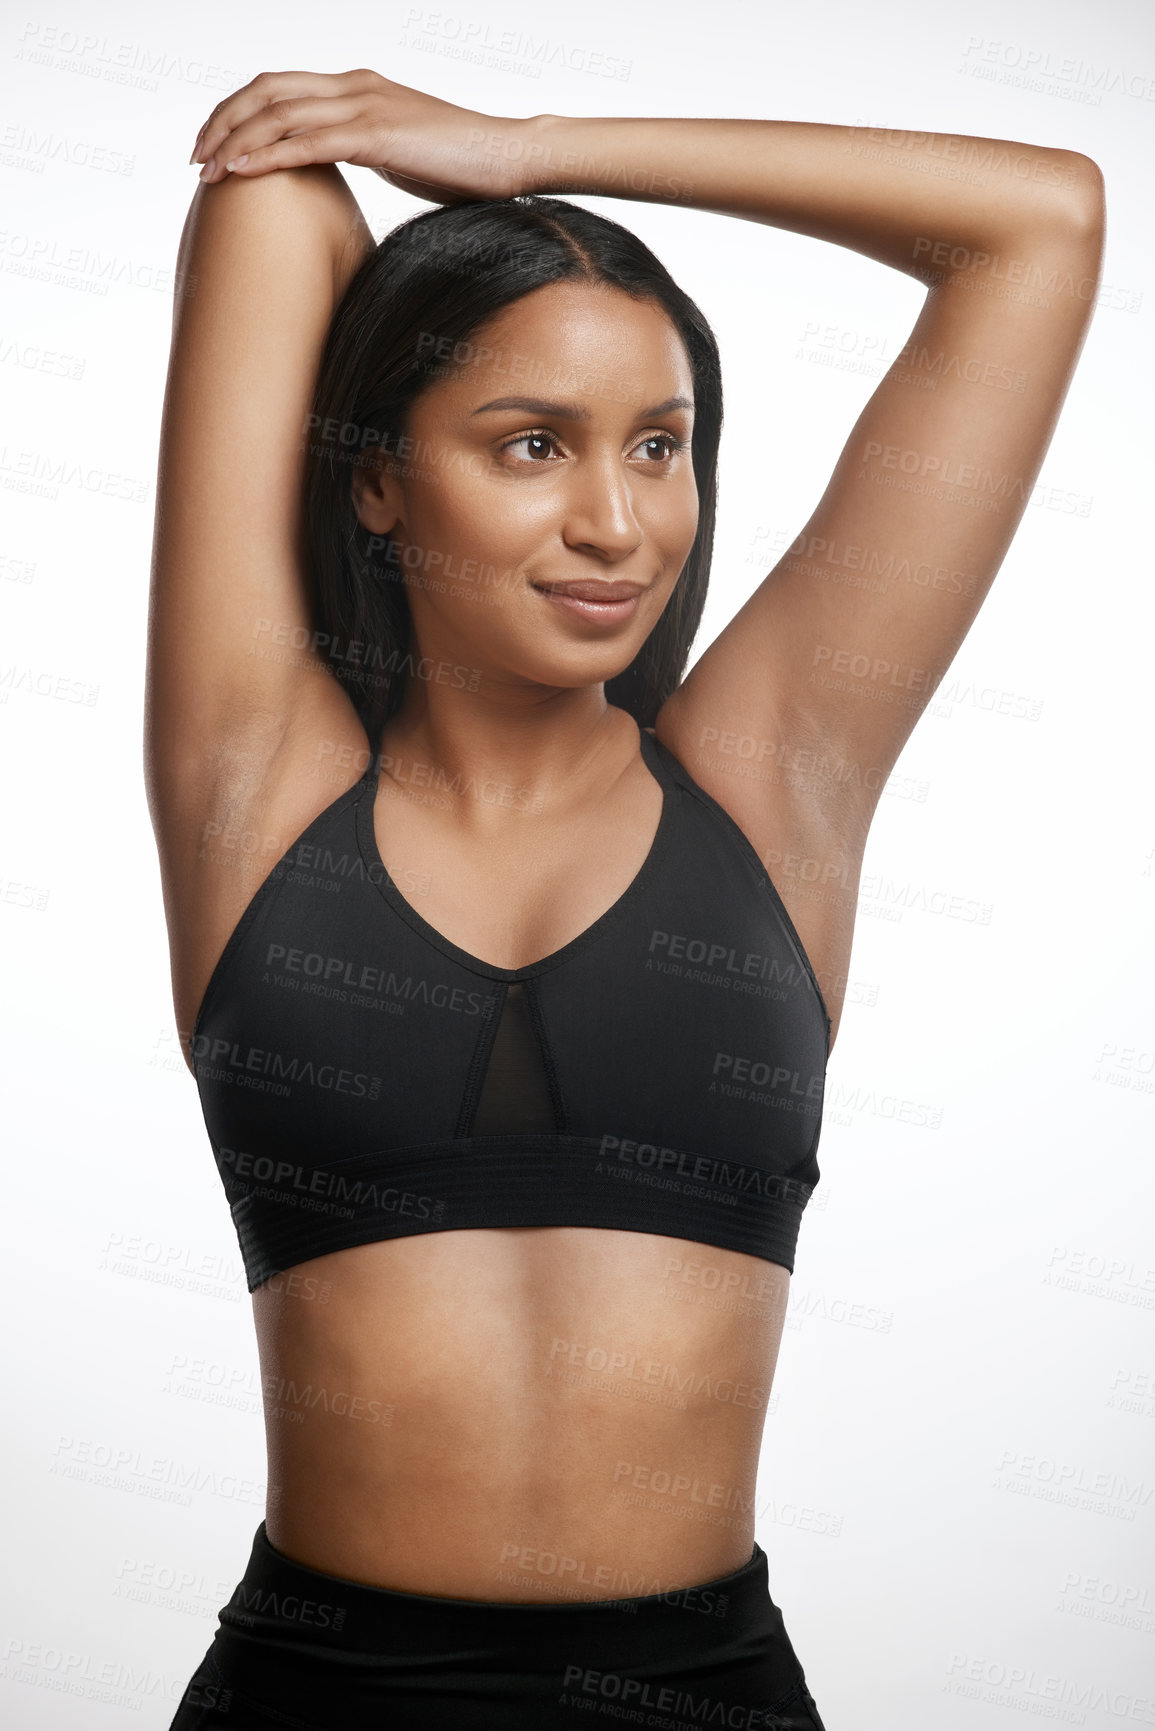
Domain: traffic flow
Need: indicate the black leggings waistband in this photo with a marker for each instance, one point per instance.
(281, 1600)
(298, 1647)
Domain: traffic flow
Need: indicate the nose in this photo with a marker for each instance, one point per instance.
(599, 514)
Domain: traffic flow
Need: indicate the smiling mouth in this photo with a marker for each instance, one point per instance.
(593, 590)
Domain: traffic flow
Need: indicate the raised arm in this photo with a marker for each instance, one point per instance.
(263, 264)
(833, 658)
(265, 257)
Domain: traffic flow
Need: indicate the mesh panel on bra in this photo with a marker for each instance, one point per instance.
(515, 1096)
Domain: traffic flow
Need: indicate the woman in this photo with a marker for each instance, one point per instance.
(510, 1048)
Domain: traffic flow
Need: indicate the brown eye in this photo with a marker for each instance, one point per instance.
(536, 439)
(670, 447)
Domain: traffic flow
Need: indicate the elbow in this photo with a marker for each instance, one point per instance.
(1086, 203)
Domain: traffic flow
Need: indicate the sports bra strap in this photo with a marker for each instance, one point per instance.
(661, 759)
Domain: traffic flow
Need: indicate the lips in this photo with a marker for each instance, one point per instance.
(593, 590)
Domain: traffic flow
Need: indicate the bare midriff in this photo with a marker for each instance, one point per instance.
(525, 1414)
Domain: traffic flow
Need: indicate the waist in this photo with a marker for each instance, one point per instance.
(284, 1605)
(457, 1542)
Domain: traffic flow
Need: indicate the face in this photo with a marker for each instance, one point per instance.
(556, 451)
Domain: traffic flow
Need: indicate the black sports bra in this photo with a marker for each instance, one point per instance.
(364, 1078)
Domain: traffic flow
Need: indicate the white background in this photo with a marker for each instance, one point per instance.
(957, 1487)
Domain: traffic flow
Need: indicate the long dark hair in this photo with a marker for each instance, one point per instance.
(424, 292)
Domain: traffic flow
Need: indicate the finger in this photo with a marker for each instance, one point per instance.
(281, 119)
(331, 144)
(258, 93)
(266, 88)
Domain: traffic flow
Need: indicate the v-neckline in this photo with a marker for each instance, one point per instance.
(651, 748)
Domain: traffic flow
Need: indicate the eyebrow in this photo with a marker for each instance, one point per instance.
(575, 411)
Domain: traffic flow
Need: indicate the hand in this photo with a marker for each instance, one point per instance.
(430, 148)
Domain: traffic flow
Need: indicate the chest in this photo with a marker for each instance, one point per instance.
(515, 883)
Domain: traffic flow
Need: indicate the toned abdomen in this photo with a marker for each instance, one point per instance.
(526, 1413)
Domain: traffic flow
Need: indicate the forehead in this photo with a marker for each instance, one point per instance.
(583, 340)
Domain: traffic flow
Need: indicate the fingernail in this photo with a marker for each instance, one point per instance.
(237, 162)
(207, 169)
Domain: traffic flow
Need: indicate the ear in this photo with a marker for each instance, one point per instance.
(377, 496)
